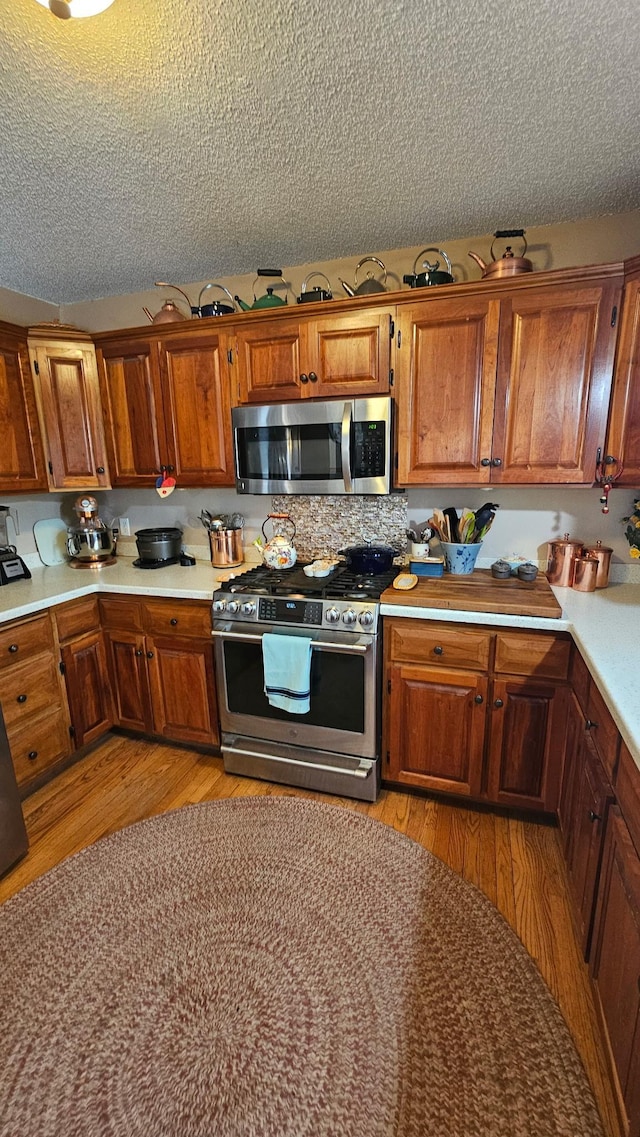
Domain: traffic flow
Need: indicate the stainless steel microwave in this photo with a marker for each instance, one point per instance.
(335, 446)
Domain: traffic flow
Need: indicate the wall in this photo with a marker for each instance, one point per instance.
(600, 240)
(18, 309)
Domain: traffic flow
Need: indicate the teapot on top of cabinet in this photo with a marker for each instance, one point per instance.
(507, 264)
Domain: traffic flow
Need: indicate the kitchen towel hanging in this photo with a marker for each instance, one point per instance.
(287, 672)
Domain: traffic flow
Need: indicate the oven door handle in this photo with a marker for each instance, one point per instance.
(362, 771)
(319, 645)
(345, 446)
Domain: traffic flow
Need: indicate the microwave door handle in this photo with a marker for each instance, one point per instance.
(345, 446)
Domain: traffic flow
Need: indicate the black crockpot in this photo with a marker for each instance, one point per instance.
(369, 559)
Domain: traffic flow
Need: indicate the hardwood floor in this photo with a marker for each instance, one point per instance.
(517, 863)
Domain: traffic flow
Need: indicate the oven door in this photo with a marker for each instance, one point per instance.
(343, 716)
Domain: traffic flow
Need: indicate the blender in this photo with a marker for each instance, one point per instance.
(12, 567)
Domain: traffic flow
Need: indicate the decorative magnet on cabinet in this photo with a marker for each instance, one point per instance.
(165, 484)
(606, 477)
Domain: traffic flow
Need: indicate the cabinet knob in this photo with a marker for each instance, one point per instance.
(139, 651)
(498, 703)
(21, 699)
(33, 754)
(170, 469)
(304, 378)
(173, 621)
(485, 461)
(496, 461)
(478, 699)
(100, 470)
(438, 650)
(13, 648)
(149, 655)
(589, 724)
(594, 816)
(313, 378)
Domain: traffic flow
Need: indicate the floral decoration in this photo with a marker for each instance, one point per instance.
(632, 530)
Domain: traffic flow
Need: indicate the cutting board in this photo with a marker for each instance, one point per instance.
(50, 536)
(480, 592)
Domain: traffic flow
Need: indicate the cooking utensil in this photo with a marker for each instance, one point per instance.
(268, 300)
(484, 520)
(369, 284)
(369, 559)
(432, 273)
(452, 517)
(314, 294)
(507, 264)
(159, 544)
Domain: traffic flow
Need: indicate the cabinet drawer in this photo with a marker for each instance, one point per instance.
(179, 617)
(76, 618)
(522, 654)
(420, 641)
(603, 730)
(29, 689)
(25, 639)
(37, 745)
(121, 612)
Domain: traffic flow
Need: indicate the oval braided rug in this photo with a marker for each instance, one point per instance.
(277, 967)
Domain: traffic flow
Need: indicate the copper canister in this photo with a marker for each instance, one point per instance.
(602, 553)
(561, 555)
(585, 573)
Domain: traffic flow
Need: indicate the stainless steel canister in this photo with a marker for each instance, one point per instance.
(226, 547)
(585, 573)
(602, 553)
(561, 556)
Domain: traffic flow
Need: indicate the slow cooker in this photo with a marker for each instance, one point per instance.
(157, 546)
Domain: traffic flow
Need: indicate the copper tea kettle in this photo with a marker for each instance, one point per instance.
(507, 264)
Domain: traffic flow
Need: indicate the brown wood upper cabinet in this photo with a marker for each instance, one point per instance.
(623, 440)
(510, 384)
(336, 355)
(167, 407)
(68, 395)
(22, 464)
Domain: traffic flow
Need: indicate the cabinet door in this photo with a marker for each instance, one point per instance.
(554, 381)
(592, 797)
(132, 399)
(572, 764)
(269, 362)
(348, 355)
(182, 690)
(88, 687)
(195, 386)
(436, 729)
(623, 440)
(22, 464)
(615, 960)
(446, 373)
(129, 680)
(526, 743)
(69, 395)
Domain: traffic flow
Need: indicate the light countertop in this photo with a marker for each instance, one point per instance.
(605, 624)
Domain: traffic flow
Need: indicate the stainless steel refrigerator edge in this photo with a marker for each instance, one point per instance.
(13, 834)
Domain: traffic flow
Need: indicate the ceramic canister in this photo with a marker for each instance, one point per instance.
(562, 554)
(602, 553)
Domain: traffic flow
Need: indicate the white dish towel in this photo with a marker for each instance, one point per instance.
(287, 672)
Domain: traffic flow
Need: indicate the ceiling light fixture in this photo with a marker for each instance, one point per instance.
(65, 9)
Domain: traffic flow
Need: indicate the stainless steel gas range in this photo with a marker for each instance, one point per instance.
(335, 746)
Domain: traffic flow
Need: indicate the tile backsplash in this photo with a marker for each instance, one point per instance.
(326, 524)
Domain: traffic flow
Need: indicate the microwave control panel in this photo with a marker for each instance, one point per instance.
(369, 449)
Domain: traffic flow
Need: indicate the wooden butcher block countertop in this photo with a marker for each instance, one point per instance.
(479, 592)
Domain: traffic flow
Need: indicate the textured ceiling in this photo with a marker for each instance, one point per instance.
(202, 138)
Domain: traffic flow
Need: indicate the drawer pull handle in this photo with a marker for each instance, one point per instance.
(478, 699)
(33, 754)
(594, 816)
(173, 621)
(589, 724)
(438, 650)
(498, 703)
(21, 699)
(149, 655)
(13, 648)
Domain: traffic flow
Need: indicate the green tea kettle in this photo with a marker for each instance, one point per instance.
(268, 300)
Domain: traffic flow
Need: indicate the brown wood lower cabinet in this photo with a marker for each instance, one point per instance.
(84, 660)
(161, 665)
(456, 724)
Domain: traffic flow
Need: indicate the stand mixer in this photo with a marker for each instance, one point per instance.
(90, 543)
(12, 567)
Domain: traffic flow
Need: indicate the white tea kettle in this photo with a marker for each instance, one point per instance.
(279, 551)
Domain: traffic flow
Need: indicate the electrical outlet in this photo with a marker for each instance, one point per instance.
(125, 528)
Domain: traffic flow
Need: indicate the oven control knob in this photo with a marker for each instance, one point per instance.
(349, 617)
(233, 606)
(366, 619)
(332, 615)
(219, 605)
(248, 608)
